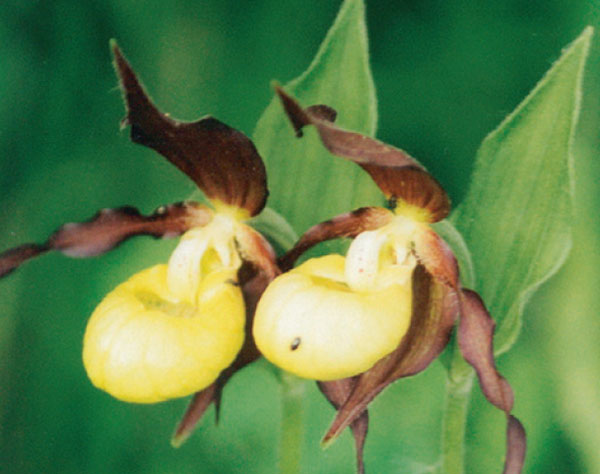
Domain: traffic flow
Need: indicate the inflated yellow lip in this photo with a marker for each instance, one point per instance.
(310, 322)
(144, 345)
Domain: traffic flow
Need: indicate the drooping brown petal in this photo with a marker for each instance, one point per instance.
(222, 161)
(195, 410)
(475, 339)
(107, 229)
(337, 392)
(434, 312)
(345, 225)
(516, 446)
(202, 400)
(397, 174)
(475, 333)
(253, 279)
(436, 256)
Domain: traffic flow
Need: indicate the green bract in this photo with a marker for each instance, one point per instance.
(517, 216)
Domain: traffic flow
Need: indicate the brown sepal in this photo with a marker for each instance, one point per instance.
(396, 173)
(254, 276)
(222, 161)
(436, 256)
(107, 229)
(345, 225)
(435, 308)
(475, 339)
(337, 392)
(255, 249)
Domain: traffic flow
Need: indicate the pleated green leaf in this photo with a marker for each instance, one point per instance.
(307, 184)
(516, 217)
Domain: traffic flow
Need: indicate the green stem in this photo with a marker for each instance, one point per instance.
(458, 394)
(292, 423)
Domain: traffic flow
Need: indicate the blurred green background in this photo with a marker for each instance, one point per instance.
(447, 72)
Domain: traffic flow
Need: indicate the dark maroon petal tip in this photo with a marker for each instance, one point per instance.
(107, 229)
(222, 161)
(397, 174)
(344, 225)
(194, 412)
(475, 339)
(12, 258)
(337, 392)
(516, 446)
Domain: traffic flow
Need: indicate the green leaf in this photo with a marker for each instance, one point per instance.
(516, 218)
(307, 184)
(570, 343)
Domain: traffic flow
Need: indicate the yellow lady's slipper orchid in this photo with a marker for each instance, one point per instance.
(354, 323)
(170, 330)
(385, 242)
(334, 317)
(143, 345)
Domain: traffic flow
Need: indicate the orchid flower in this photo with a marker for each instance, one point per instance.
(388, 308)
(179, 328)
(355, 324)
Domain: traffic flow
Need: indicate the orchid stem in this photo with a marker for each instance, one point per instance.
(292, 423)
(458, 395)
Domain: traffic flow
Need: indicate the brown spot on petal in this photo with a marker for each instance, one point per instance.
(396, 173)
(345, 225)
(222, 161)
(107, 229)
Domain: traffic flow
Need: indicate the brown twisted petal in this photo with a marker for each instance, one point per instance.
(337, 392)
(396, 173)
(435, 309)
(475, 339)
(222, 161)
(345, 225)
(107, 229)
(254, 280)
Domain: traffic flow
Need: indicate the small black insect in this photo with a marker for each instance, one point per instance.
(295, 344)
